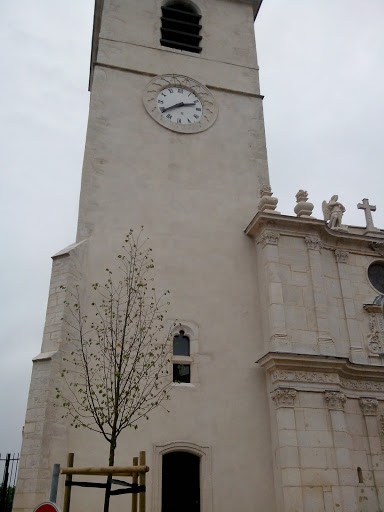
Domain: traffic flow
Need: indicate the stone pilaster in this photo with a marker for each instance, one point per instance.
(287, 450)
(326, 344)
(335, 401)
(351, 317)
(369, 409)
(276, 326)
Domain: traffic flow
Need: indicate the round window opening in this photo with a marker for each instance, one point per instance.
(376, 275)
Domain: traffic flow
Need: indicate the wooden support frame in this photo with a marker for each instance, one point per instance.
(137, 471)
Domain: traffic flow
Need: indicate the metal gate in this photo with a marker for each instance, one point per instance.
(7, 489)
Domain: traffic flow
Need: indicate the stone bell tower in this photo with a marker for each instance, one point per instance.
(176, 143)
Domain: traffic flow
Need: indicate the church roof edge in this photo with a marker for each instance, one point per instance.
(302, 225)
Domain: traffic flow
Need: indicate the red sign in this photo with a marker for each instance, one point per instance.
(47, 506)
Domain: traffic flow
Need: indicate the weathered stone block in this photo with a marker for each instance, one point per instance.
(289, 457)
(319, 477)
(291, 477)
(316, 419)
(317, 438)
(313, 499)
(285, 417)
(313, 457)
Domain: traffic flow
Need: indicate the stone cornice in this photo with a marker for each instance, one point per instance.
(354, 240)
(321, 373)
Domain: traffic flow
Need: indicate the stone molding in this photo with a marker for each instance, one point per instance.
(269, 237)
(322, 373)
(361, 385)
(284, 397)
(335, 400)
(303, 376)
(369, 406)
(313, 242)
(341, 256)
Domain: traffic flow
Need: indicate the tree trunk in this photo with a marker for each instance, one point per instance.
(111, 462)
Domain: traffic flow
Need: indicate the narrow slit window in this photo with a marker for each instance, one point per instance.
(181, 356)
(180, 27)
(360, 475)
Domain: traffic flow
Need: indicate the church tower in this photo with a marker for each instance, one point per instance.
(175, 143)
(280, 407)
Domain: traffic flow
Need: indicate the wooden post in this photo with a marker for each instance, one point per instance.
(54, 483)
(67, 490)
(134, 481)
(141, 482)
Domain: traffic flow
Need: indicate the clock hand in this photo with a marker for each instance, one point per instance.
(172, 106)
(189, 104)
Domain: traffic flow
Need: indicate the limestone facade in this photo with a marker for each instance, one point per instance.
(285, 405)
(324, 363)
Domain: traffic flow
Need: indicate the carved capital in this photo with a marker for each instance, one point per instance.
(269, 237)
(369, 406)
(313, 242)
(341, 256)
(335, 400)
(284, 397)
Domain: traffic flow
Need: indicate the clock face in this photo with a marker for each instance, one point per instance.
(180, 103)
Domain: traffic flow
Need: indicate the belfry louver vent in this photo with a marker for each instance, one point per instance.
(180, 27)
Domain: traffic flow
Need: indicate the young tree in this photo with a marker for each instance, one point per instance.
(117, 372)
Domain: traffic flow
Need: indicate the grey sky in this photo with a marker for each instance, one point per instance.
(322, 72)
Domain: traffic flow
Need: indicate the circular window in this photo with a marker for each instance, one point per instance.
(376, 275)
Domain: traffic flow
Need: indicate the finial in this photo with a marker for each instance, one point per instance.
(267, 203)
(303, 208)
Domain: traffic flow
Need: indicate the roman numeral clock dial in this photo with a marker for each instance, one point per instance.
(180, 103)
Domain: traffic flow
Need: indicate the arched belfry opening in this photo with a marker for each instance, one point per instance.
(180, 26)
(180, 482)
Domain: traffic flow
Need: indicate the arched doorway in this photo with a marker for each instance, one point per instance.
(180, 482)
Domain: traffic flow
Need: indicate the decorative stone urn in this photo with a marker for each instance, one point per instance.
(303, 207)
(267, 203)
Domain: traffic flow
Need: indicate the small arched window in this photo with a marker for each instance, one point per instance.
(181, 366)
(181, 344)
(180, 27)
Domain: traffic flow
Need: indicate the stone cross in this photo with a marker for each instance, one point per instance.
(368, 208)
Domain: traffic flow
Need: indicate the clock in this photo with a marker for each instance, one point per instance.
(180, 103)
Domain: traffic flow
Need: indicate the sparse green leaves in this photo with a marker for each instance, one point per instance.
(112, 379)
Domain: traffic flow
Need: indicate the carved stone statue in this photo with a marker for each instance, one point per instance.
(333, 212)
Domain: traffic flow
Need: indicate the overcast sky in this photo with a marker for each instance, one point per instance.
(322, 74)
